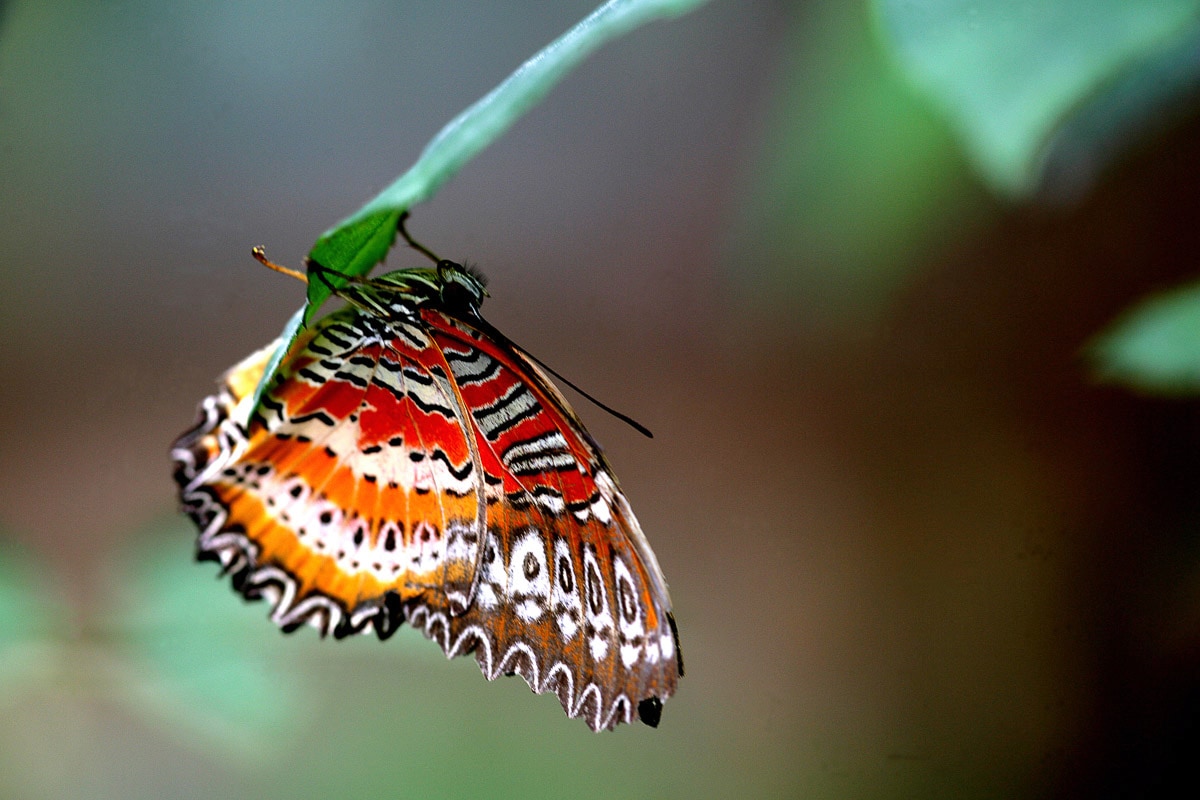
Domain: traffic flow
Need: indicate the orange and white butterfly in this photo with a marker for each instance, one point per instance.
(409, 463)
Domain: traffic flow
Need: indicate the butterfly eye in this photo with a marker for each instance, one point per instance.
(461, 292)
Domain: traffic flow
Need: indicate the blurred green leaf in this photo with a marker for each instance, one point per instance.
(185, 648)
(855, 177)
(1155, 346)
(30, 622)
(24, 612)
(1010, 75)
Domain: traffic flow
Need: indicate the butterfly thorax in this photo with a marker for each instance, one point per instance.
(399, 295)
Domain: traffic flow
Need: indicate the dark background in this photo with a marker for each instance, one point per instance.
(914, 549)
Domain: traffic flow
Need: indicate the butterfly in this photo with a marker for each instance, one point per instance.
(409, 463)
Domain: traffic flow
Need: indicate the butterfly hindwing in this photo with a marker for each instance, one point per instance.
(565, 597)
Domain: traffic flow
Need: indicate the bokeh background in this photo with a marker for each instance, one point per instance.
(915, 548)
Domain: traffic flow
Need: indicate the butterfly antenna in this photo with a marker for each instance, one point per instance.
(628, 420)
(260, 255)
(413, 243)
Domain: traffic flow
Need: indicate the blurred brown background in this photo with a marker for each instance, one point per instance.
(913, 548)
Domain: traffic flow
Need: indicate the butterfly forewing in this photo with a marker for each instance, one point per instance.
(417, 466)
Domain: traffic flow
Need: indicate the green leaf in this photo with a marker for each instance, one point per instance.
(1011, 76)
(353, 249)
(361, 241)
(1155, 347)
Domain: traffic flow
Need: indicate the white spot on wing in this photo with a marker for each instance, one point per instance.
(629, 614)
(493, 580)
(529, 577)
(596, 608)
(565, 600)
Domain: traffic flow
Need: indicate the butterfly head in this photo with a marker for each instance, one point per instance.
(462, 287)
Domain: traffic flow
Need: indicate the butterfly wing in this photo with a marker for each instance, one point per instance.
(570, 595)
(426, 469)
(353, 490)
